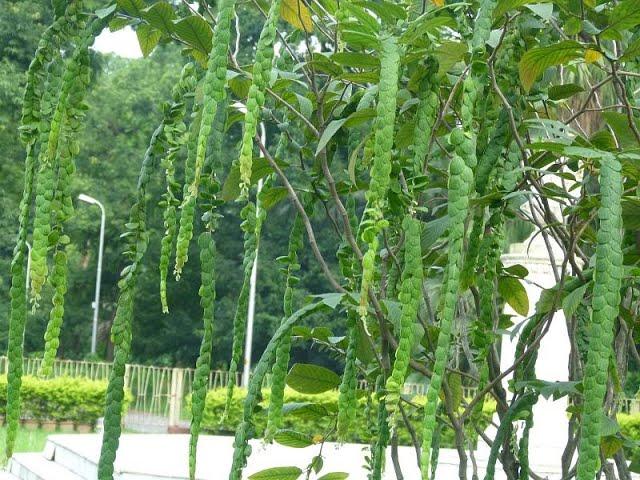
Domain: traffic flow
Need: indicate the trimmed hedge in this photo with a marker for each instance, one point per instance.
(62, 398)
(310, 423)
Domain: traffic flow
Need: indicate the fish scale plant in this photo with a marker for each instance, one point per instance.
(424, 138)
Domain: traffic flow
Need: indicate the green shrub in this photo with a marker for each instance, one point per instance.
(630, 425)
(321, 422)
(62, 398)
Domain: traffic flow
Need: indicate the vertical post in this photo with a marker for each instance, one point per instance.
(96, 302)
(246, 371)
(175, 397)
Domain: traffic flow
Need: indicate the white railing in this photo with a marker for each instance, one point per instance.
(159, 393)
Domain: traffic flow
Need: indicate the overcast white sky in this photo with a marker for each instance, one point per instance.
(123, 43)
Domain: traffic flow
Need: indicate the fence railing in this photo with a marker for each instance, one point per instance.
(159, 393)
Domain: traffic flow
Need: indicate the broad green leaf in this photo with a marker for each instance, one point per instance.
(619, 123)
(132, 7)
(328, 133)
(425, 25)
(148, 38)
(272, 197)
(277, 473)
(387, 11)
(161, 16)
(449, 53)
(296, 13)
(610, 445)
(560, 92)
(118, 23)
(631, 213)
(334, 476)
(195, 31)
(307, 378)
(305, 410)
(514, 294)
(504, 6)
(105, 12)
(433, 230)
(632, 51)
(572, 300)
(535, 61)
(291, 438)
(622, 17)
(608, 426)
(356, 59)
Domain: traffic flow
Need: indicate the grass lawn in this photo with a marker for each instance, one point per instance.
(27, 441)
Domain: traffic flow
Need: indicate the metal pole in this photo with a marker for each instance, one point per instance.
(96, 302)
(246, 372)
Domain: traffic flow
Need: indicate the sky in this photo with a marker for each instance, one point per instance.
(123, 43)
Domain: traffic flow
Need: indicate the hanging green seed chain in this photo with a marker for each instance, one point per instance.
(188, 206)
(174, 132)
(47, 160)
(426, 115)
(249, 227)
(605, 305)
(382, 439)
(460, 184)
(52, 334)
(373, 220)
(409, 297)
(281, 365)
(207, 294)
(261, 73)
(137, 238)
(213, 86)
(347, 396)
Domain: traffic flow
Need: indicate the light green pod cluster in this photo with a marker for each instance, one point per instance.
(342, 16)
(18, 314)
(174, 133)
(347, 396)
(460, 185)
(281, 365)
(137, 239)
(409, 297)
(207, 294)
(605, 304)
(261, 72)
(52, 334)
(468, 104)
(482, 27)
(373, 220)
(383, 433)
(426, 115)
(188, 206)
(249, 227)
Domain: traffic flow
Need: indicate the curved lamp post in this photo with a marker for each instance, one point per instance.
(96, 303)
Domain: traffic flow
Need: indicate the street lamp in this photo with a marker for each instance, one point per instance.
(246, 372)
(96, 303)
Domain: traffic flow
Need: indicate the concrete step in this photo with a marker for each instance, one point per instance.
(34, 466)
(7, 476)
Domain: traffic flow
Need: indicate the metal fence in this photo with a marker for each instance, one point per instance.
(159, 393)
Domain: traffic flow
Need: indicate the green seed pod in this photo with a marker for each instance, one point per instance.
(188, 206)
(207, 294)
(347, 398)
(281, 365)
(426, 115)
(249, 227)
(214, 84)
(175, 138)
(521, 404)
(382, 440)
(137, 239)
(482, 27)
(52, 334)
(460, 184)
(373, 221)
(605, 304)
(262, 66)
(409, 297)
